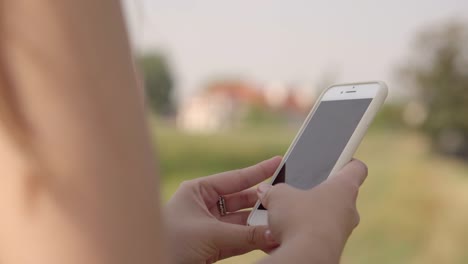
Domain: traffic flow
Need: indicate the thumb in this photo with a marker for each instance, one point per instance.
(245, 238)
(267, 193)
(263, 193)
(354, 173)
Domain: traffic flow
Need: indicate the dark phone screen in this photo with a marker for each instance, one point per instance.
(318, 148)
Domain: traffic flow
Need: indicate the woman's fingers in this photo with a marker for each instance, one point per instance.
(268, 193)
(237, 218)
(354, 173)
(227, 253)
(241, 200)
(238, 180)
(242, 237)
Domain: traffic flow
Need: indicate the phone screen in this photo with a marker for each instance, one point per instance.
(318, 148)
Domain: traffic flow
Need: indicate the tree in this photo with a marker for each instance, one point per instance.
(158, 82)
(438, 70)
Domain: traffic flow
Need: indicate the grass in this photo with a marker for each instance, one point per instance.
(414, 204)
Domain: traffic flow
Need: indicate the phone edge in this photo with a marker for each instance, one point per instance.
(354, 141)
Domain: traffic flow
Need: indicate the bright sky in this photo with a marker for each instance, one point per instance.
(284, 41)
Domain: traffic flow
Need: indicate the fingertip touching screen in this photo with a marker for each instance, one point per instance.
(321, 143)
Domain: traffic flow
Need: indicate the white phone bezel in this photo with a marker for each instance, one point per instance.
(376, 90)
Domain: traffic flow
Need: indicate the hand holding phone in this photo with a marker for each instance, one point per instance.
(328, 138)
(317, 225)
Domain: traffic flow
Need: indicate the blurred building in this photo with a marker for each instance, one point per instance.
(224, 104)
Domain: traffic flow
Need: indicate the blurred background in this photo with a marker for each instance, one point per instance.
(230, 82)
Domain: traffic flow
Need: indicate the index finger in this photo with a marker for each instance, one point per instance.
(241, 179)
(355, 172)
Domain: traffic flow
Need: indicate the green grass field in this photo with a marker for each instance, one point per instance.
(414, 204)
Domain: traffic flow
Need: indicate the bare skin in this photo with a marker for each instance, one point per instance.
(313, 226)
(79, 184)
(197, 231)
(86, 192)
(304, 226)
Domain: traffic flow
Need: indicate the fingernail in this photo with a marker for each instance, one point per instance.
(262, 189)
(274, 158)
(269, 237)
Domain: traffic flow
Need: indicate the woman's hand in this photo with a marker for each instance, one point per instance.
(313, 226)
(199, 234)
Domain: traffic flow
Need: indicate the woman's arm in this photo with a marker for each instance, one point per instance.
(86, 189)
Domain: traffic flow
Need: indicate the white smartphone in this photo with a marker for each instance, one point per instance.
(328, 138)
